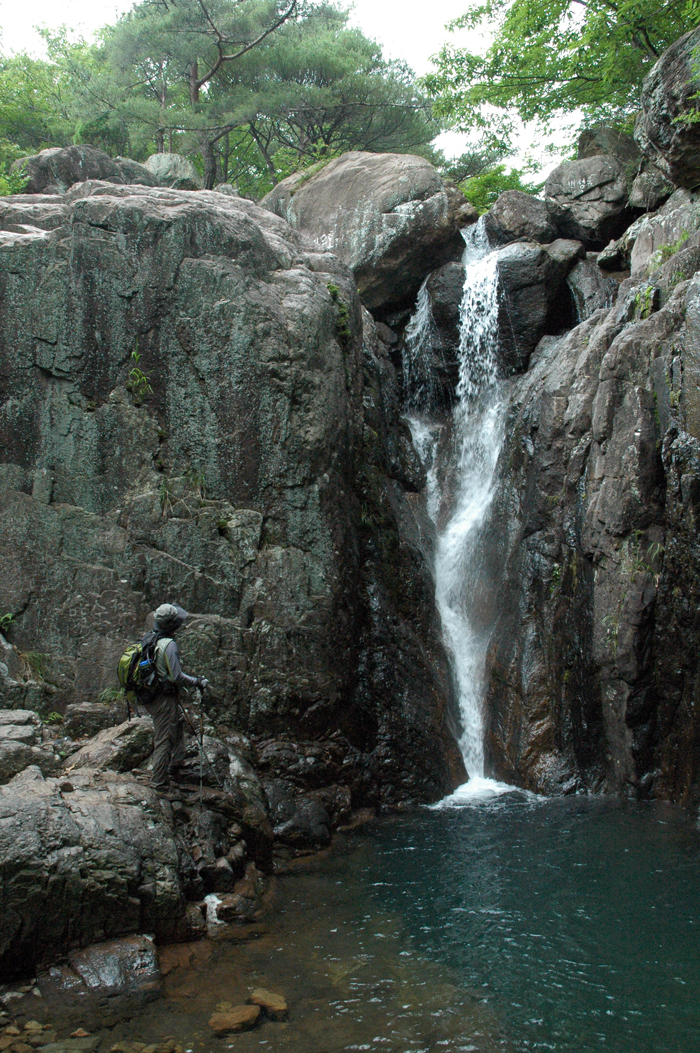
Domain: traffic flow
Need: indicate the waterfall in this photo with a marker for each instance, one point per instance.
(463, 597)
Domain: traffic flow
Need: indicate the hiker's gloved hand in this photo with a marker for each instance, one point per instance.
(202, 683)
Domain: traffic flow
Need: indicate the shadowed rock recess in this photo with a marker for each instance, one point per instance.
(190, 409)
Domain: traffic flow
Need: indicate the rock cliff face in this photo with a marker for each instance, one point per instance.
(188, 408)
(669, 97)
(593, 664)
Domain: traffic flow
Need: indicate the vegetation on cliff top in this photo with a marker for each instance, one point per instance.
(549, 58)
(251, 90)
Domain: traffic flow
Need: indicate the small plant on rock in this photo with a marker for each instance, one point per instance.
(35, 663)
(138, 382)
(110, 694)
(342, 322)
(197, 483)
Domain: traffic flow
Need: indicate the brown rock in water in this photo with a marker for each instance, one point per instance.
(273, 1005)
(240, 1018)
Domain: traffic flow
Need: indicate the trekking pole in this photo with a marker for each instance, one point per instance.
(195, 733)
(201, 750)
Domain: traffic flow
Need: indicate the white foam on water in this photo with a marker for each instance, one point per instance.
(476, 790)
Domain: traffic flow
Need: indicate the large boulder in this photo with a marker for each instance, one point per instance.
(602, 139)
(650, 188)
(534, 298)
(589, 199)
(135, 173)
(53, 171)
(516, 216)
(669, 96)
(173, 171)
(390, 217)
(83, 862)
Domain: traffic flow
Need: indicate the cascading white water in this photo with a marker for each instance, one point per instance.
(462, 597)
(421, 343)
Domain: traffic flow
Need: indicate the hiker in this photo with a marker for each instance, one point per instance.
(164, 708)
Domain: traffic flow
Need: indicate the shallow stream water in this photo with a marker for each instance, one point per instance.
(508, 923)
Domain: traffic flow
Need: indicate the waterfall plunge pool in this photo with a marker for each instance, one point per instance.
(510, 923)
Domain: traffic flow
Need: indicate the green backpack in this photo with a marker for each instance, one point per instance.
(136, 669)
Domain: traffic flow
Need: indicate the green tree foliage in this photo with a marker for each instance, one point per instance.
(250, 89)
(33, 110)
(551, 57)
(482, 190)
(325, 88)
(160, 70)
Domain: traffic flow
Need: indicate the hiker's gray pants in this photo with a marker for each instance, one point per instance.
(168, 738)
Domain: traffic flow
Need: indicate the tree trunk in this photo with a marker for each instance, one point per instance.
(160, 140)
(194, 83)
(209, 158)
(265, 155)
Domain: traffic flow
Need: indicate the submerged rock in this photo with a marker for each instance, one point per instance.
(273, 1005)
(238, 1018)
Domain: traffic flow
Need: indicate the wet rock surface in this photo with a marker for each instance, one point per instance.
(593, 662)
(269, 483)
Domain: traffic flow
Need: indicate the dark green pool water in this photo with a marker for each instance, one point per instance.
(576, 919)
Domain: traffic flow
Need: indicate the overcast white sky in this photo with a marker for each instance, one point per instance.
(407, 29)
